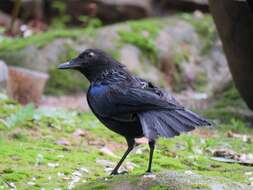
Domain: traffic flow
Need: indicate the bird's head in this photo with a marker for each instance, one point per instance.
(86, 59)
(91, 63)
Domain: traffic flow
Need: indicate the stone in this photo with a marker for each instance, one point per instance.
(173, 180)
(109, 11)
(161, 7)
(25, 85)
(180, 65)
(3, 74)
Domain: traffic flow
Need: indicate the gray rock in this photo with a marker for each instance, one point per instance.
(162, 7)
(176, 180)
(3, 74)
(172, 180)
(108, 40)
(216, 68)
(25, 85)
(35, 58)
(110, 11)
(131, 56)
(179, 52)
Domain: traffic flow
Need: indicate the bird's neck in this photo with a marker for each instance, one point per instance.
(99, 73)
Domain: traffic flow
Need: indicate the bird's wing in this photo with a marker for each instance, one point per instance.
(130, 99)
(147, 85)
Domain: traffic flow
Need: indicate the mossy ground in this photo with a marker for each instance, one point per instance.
(31, 156)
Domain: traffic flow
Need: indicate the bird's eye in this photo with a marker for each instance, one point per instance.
(90, 54)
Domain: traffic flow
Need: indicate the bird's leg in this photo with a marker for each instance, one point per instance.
(151, 147)
(130, 144)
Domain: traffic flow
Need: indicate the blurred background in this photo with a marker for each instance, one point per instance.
(200, 51)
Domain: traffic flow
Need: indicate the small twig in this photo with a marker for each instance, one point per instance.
(6, 182)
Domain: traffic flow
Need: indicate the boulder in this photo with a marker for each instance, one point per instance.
(179, 52)
(109, 11)
(173, 180)
(161, 7)
(3, 74)
(25, 85)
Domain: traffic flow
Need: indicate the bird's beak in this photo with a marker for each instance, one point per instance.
(73, 64)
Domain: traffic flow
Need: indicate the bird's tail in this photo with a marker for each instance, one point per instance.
(170, 123)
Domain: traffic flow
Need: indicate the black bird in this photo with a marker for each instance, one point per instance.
(130, 106)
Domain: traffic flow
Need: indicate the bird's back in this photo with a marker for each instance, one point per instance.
(135, 107)
(127, 125)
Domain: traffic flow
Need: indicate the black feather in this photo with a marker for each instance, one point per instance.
(128, 105)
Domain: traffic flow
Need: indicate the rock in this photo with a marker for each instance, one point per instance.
(63, 142)
(25, 85)
(53, 165)
(131, 55)
(180, 63)
(173, 180)
(162, 7)
(216, 64)
(109, 11)
(108, 39)
(80, 133)
(3, 74)
(38, 58)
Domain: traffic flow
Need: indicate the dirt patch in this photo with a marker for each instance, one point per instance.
(76, 102)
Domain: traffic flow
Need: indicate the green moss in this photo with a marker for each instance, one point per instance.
(27, 149)
(39, 40)
(200, 186)
(159, 188)
(227, 103)
(142, 34)
(175, 70)
(178, 81)
(205, 27)
(115, 54)
(200, 82)
(63, 18)
(230, 96)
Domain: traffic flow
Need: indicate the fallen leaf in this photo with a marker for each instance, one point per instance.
(63, 142)
(230, 156)
(80, 133)
(52, 165)
(244, 138)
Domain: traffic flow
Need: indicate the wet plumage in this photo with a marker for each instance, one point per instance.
(130, 106)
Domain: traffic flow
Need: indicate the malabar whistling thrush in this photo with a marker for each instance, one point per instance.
(130, 106)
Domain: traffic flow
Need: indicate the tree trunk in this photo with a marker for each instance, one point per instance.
(234, 22)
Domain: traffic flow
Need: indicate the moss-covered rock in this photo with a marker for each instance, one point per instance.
(227, 103)
(170, 180)
(168, 51)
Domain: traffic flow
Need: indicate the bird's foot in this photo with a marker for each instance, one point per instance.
(148, 172)
(118, 173)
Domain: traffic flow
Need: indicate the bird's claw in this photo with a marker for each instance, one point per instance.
(148, 172)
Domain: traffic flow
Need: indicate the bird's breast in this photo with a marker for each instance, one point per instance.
(97, 100)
